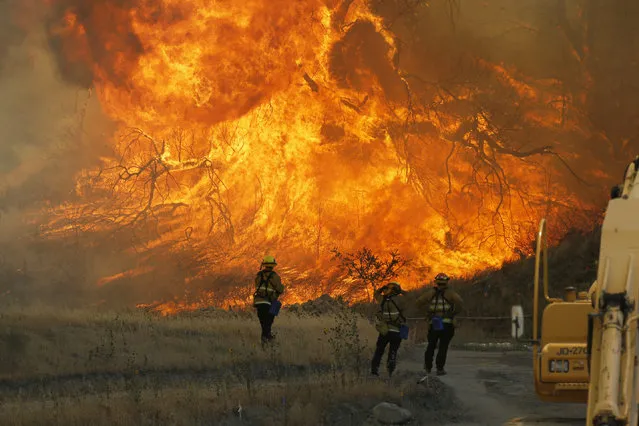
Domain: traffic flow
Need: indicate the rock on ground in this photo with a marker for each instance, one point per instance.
(391, 414)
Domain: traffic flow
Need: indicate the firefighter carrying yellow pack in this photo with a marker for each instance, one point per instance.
(268, 288)
(443, 304)
(390, 324)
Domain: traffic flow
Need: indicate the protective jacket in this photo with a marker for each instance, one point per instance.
(268, 287)
(441, 302)
(391, 311)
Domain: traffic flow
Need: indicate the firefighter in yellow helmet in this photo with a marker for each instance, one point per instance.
(268, 288)
(442, 304)
(389, 320)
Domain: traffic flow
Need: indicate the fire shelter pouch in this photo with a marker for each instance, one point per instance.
(403, 331)
(275, 307)
(380, 325)
(437, 323)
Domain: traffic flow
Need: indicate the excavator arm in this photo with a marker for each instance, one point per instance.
(612, 328)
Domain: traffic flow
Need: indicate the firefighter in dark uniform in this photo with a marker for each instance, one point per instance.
(268, 288)
(389, 320)
(442, 304)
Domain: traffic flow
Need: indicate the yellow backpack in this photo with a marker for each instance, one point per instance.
(262, 289)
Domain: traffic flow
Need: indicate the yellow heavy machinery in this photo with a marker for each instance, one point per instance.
(560, 363)
(587, 350)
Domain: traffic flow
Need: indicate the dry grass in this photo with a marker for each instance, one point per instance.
(132, 368)
(40, 343)
(302, 403)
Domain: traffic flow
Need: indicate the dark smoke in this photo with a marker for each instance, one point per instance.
(49, 132)
(613, 61)
(363, 48)
(590, 46)
(11, 34)
(76, 53)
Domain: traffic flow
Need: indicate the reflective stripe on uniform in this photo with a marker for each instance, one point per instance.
(262, 302)
(441, 305)
(391, 316)
(448, 320)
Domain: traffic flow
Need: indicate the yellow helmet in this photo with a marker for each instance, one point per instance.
(269, 261)
(442, 278)
(396, 286)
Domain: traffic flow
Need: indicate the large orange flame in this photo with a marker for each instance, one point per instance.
(288, 128)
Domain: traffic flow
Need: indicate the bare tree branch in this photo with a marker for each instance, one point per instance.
(369, 269)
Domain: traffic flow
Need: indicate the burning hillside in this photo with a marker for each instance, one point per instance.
(289, 128)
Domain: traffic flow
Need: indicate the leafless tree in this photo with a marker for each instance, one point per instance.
(368, 268)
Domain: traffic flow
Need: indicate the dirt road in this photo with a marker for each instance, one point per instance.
(497, 389)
